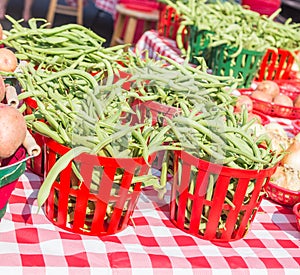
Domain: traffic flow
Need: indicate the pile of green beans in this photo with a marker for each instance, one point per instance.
(68, 46)
(223, 137)
(79, 112)
(228, 23)
(88, 118)
(180, 85)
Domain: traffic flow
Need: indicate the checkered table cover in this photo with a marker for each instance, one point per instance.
(31, 244)
(158, 46)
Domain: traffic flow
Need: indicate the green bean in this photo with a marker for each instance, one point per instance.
(59, 166)
(246, 137)
(44, 129)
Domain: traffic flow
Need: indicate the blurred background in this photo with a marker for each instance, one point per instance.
(290, 8)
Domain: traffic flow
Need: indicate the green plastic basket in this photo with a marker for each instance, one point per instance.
(199, 44)
(246, 64)
(9, 175)
(12, 172)
(219, 60)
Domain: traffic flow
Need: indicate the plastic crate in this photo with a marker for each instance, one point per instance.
(10, 171)
(36, 165)
(246, 64)
(198, 204)
(289, 87)
(156, 112)
(198, 42)
(100, 205)
(282, 195)
(169, 22)
(219, 59)
(151, 110)
(275, 65)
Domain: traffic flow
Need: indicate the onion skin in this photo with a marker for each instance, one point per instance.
(279, 177)
(12, 132)
(279, 138)
(268, 87)
(292, 157)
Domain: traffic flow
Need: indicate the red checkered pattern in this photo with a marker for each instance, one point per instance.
(31, 244)
(158, 46)
(105, 5)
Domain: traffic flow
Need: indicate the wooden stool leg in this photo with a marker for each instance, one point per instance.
(118, 29)
(130, 30)
(51, 12)
(80, 12)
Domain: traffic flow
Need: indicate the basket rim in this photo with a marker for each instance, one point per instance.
(296, 210)
(284, 190)
(192, 160)
(63, 149)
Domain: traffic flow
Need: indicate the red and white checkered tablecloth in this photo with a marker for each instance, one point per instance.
(158, 46)
(31, 244)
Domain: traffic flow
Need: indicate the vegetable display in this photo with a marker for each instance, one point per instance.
(84, 97)
(86, 117)
(231, 24)
(69, 46)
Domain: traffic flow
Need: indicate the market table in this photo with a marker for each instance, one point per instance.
(31, 244)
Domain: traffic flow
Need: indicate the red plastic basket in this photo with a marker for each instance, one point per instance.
(36, 164)
(282, 195)
(168, 23)
(100, 205)
(152, 110)
(156, 112)
(296, 210)
(276, 64)
(193, 212)
(271, 109)
(296, 126)
(289, 87)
